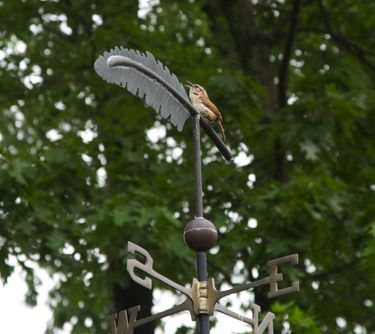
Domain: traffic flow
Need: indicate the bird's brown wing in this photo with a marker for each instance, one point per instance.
(216, 111)
(212, 107)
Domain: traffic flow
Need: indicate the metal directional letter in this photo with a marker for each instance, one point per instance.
(124, 326)
(142, 75)
(275, 277)
(132, 264)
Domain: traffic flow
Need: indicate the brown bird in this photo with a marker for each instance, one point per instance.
(204, 106)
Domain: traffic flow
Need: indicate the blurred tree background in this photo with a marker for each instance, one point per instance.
(85, 167)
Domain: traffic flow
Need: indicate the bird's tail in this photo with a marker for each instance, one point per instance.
(221, 129)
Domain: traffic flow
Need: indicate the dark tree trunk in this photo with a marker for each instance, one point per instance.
(251, 48)
(132, 295)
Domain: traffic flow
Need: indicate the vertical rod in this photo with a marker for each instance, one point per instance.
(197, 168)
(203, 319)
(201, 266)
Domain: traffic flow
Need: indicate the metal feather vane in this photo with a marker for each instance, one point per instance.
(144, 76)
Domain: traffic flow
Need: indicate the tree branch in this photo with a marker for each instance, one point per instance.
(345, 42)
(283, 83)
(333, 271)
(338, 37)
(284, 65)
(354, 50)
(324, 15)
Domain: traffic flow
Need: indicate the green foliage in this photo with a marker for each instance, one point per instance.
(80, 175)
(298, 320)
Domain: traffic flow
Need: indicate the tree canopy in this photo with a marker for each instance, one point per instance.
(85, 167)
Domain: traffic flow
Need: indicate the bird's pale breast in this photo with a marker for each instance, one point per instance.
(204, 111)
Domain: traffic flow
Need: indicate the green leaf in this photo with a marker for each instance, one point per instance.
(19, 170)
(120, 216)
(310, 149)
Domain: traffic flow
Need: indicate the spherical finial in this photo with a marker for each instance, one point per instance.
(200, 235)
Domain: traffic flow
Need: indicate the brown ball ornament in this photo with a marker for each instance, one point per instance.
(200, 235)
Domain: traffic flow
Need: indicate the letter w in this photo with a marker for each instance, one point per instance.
(124, 326)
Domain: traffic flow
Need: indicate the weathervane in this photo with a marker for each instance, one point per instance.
(144, 76)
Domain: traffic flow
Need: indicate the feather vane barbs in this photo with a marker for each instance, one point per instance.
(144, 76)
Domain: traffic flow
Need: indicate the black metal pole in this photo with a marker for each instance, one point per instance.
(197, 168)
(203, 319)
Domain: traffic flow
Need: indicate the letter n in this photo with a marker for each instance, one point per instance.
(124, 326)
(266, 323)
